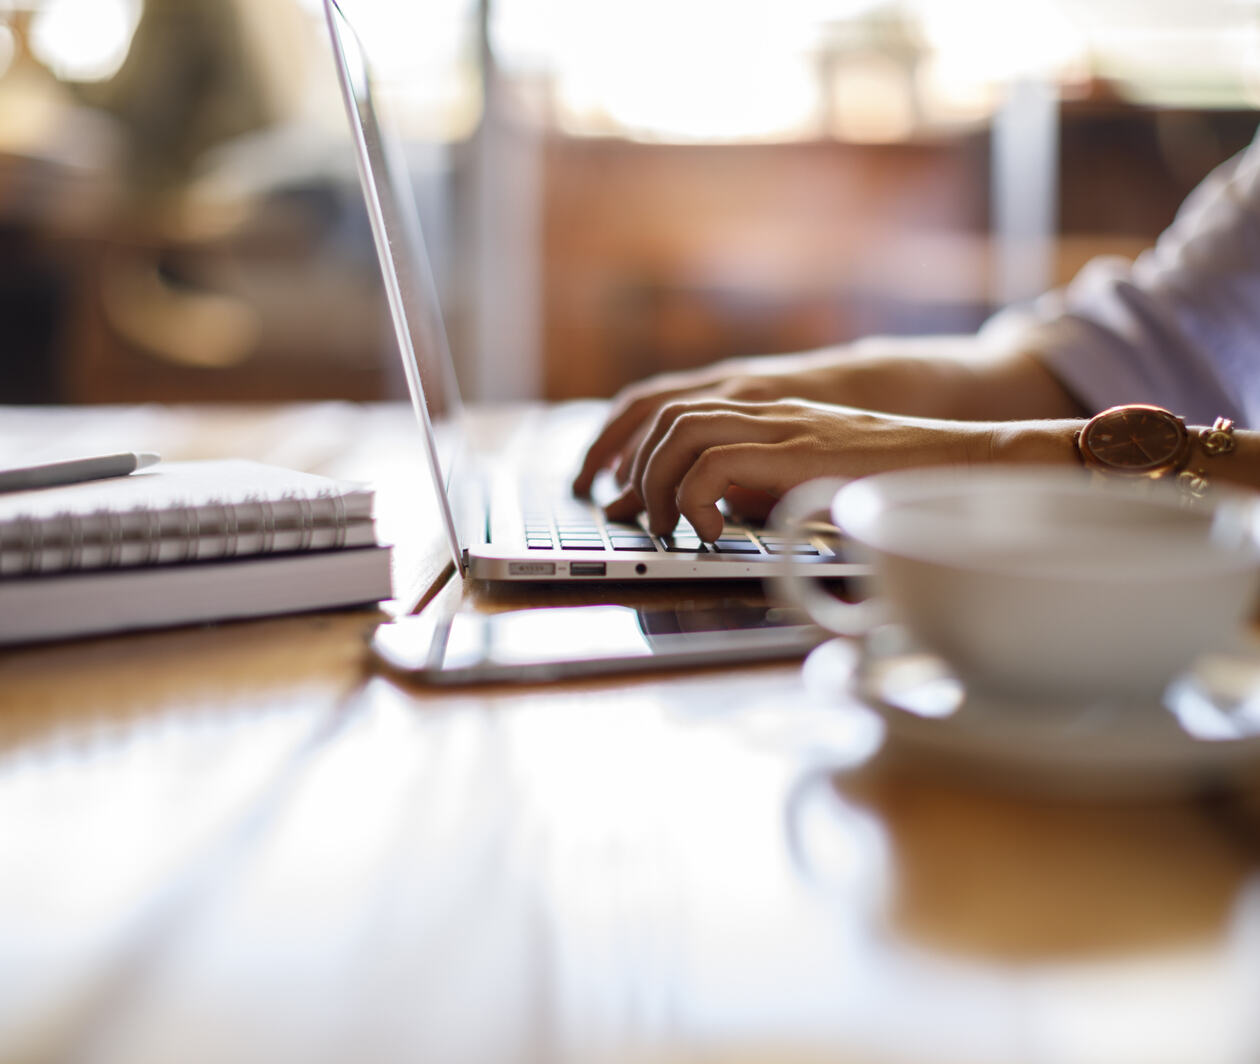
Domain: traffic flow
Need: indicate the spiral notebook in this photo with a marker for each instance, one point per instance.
(184, 542)
(180, 512)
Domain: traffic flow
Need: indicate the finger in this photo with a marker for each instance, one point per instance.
(624, 507)
(666, 418)
(626, 417)
(749, 505)
(691, 435)
(625, 461)
(621, 422)
(650, 439)
(752, 466)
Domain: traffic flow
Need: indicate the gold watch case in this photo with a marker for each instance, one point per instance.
(1136, 440)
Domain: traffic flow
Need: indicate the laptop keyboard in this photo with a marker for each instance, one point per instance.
(571, 525)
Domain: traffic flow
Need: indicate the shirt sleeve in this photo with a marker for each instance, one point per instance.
(1179, 326)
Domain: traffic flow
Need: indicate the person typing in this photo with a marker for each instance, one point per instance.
(1178, 330)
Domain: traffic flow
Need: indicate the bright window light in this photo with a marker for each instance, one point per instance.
(701, 70)
(737, 70)
(861, 69)
(425, 59)
(84, 40)
(994, 40)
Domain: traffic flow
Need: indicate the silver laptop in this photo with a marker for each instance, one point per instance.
(509, 514)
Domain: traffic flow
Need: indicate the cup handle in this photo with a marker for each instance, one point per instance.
(790, 580)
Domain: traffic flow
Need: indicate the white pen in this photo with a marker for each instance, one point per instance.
(74, 470)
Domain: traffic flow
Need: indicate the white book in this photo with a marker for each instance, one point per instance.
(59, 606)
(180, 512)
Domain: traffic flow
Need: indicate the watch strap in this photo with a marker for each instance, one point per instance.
(1193, 483)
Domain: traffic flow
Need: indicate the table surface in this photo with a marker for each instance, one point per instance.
(240, 843)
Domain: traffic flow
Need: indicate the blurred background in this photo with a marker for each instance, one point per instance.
(609, 188)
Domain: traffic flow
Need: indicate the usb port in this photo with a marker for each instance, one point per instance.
(588, 568)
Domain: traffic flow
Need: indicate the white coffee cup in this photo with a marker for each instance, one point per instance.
(1038, 584)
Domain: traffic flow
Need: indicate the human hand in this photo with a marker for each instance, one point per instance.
(952, 379)
(635, 408)
(698, 451)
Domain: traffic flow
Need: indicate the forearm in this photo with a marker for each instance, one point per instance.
(958, 377)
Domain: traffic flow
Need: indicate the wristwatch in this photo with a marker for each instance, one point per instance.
(1143, 442)
(1135, 441)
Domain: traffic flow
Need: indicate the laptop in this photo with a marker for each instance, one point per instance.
(508, 513)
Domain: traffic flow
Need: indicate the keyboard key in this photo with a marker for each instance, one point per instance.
(632, 543)
(674, 546)
(733, 545)
(559, 522)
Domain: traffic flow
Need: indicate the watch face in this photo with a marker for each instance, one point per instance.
(1137, 440)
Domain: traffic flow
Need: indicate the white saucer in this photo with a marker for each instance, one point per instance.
(1205, 734)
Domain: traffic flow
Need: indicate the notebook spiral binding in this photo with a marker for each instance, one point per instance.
(141, 536)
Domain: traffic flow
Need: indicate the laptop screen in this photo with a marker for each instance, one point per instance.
(410, 288)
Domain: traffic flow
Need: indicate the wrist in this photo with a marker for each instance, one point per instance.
(1140, 442)
(1049, 442)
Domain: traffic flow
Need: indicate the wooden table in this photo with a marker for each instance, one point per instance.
(241, 844)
